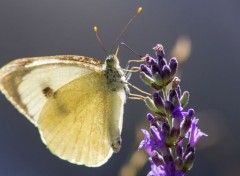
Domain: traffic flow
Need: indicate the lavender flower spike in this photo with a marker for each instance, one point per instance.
(170, 123)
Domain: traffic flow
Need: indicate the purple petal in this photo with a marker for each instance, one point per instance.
(145, 140)
(195, 134)
(156, 170)
(179, 173)
(177, 113)
(146, 144)
(155, 134)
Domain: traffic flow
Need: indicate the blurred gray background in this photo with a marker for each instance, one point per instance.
(211, 74)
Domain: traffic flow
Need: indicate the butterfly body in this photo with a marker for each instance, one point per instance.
(76, 102)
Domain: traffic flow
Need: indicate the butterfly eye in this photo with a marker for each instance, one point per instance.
(110, 60)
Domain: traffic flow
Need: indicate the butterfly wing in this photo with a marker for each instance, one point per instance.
(79, 119)
(23, 81)
(80, 122)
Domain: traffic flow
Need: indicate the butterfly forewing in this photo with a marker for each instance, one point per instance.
(23, 81)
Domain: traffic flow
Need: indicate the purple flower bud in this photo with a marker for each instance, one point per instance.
(166, 73)
(179, 151)
(161, 93)
(146, 70)
(166, 129)
(162, 63)
(153, 121)
(150, 117)
(150, 61)
(161, 119)
(174, 135)
(188, 161)
(166, 132)
(178, 163)
(188, 150)
(159, 51)
(185, 126)
(173, 64)
(178, 89)
(191, 113)
(168, 158)
(169, 107)
(173, 97)
(158, 100)
(155, 69)
(158, 160)
(172, 93)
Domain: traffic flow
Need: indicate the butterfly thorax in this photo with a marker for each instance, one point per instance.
(113, 73)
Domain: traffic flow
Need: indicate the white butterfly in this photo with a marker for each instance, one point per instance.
(76, 102)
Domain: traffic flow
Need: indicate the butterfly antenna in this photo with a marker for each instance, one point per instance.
(126, 27)
(124, 44)
(116, 53)
(95, 29)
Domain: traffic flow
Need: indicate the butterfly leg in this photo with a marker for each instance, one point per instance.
(136, 88)
(128, 73)
(136, 97)
(138, 61)
(130, 61)
(142, 59)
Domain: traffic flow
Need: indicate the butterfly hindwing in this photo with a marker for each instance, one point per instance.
(80, 122)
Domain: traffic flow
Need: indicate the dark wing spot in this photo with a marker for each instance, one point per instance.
(47, 92)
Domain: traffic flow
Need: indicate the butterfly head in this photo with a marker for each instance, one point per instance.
(111, 62)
